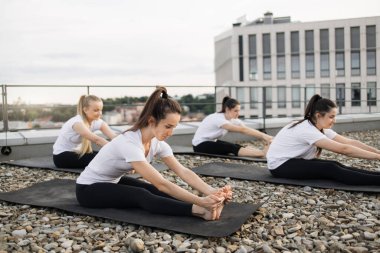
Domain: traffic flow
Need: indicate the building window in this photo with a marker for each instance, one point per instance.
(252, 57)
(268, 97)
(325, 55)
(309, 65)
(253, 68)
(281, 97)
(355, 94)
(254, 97)
(281, 67)
(280, 43)
(324, 40)
(371, 62)
(252, 45)
(339, 58)
(241, 59)
(280, 49)
(371, 94)
(325, 90)
(355, 51)
(355, 63)
(371, 36)
(295, 66)
(267, 68)
(240, 96)
(296, 96)
(309, 92)
(371, 49)
(355, 37)
(340, 94)
(295, 54)
(295, 42)
(339, 51)
(325, 65)
(309, 48)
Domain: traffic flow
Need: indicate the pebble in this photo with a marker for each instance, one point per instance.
(19, 233)
(369, 236)
(137, 245)
(295, 219)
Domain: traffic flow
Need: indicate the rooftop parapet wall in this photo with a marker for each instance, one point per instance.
(30, 143)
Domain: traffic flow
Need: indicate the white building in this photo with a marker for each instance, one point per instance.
(337, 59)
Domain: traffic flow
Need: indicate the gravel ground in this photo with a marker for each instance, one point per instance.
(295, 219)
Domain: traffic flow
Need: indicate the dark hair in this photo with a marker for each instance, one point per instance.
(229, 103)
(159, 104)
(317, 104)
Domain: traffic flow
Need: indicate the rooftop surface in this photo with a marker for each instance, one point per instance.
(294, 219)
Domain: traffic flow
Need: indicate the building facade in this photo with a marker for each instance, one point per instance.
(273, 65)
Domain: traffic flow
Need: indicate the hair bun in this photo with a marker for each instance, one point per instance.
(164, 94)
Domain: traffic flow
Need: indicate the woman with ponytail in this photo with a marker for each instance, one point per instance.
(295, 150)
(216, 125)
(72, 149)
(102, 185)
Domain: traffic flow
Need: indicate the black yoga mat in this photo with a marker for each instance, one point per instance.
(185, 150)
(41, 162)
(60, 194)
(46, 162)
(256, 173)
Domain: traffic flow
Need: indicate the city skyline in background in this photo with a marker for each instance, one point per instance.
(118, 42)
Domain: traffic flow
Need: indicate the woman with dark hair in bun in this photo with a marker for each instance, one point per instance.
(295, 150)
(216, 125)
(101, 184)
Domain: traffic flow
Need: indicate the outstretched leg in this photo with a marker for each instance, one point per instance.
(326, 169)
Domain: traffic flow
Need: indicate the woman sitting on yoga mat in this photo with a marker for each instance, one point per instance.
(295, 150)
(72, 149)
(101, 184)
(216, 125)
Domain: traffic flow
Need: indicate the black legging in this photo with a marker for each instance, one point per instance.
(131, 193)
(72, 160)
(326, 169)
(217, 147)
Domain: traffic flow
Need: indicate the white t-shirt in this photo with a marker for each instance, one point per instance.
(68, 139)
(296, 142)
(211, 129)
(114, 159)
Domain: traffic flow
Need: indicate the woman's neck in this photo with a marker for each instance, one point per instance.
(316, 125)
(146, 135)
(226, 116)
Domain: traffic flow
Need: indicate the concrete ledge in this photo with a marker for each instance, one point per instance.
(40, 136)
(12, 139)
(182, 136)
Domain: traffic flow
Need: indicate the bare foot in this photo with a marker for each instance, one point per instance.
(265, 150)
(218, 211)
(204, 213)
(227, 191)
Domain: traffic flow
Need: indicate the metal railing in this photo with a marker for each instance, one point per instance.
(49, 106)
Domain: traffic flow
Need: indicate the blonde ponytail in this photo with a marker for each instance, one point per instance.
(84, 101)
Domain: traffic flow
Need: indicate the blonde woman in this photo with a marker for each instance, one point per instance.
(72, 149)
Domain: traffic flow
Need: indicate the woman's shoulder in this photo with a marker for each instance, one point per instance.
(132, 136)
(76, 118)
(216, 115)
(70, 122)
(296, 126)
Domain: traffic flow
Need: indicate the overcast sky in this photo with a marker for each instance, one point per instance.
(134, 42)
